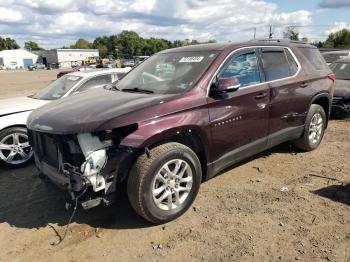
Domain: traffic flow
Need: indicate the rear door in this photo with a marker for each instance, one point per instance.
(286, 92)
(239, 119)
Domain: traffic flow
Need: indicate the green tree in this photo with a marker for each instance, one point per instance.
(82, 44)
(304, 39)
(130, 44)
(154, 45)
(8, 44)
(340, 39)
(318, 44)
(102, 43)
(291, 33)
(31, 45)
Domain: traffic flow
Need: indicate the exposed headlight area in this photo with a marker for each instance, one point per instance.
(85, 162)
(95, 154)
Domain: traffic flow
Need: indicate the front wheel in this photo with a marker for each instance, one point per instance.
(315, 126)
(163, 185)
(15, 150)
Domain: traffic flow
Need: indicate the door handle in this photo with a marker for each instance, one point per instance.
(304, 84)
(261, 95)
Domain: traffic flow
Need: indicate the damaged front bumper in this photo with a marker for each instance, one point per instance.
(83, 164)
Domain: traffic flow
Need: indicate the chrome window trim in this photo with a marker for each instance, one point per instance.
(256, 47)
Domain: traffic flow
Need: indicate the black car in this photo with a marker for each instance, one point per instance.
(341, 99)
(333, 56)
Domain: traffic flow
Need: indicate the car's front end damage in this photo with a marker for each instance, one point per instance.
(88, 165)
(83, 152)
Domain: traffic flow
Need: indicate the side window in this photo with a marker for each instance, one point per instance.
(278, 63)
(244, 67)
(293, 66)
(314, 57)
(96, 81)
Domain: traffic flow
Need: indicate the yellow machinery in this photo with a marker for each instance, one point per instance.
(91, 60)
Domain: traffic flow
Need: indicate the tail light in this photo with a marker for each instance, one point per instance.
(331, 77)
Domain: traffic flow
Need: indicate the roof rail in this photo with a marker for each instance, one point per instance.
(276, 40)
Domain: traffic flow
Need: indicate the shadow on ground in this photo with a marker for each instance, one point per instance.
(28, 201)
(338, 193)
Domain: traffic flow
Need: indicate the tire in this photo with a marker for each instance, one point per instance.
(149, 175)
(311, 140)
(14, 142)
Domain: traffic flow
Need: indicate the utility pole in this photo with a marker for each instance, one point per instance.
(270, 32)
(254, 32)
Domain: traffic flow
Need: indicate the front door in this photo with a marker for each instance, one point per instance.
(238, 119)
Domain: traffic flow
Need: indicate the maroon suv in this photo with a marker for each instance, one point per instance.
(179, 118)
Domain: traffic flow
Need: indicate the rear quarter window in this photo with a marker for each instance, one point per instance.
(314, 57)
(278, 63)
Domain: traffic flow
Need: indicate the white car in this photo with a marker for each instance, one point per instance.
(12, 66)
(14, 145)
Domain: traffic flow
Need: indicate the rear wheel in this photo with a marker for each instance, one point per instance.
(14, 147)
(162, 187)
(315, 125)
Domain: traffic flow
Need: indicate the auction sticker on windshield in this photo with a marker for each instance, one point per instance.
(191, 59)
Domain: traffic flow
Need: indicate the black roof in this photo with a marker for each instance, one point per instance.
(343, 60)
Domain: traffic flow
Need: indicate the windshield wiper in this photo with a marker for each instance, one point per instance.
(137, 90)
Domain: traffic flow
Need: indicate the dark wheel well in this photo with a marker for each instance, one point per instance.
(192, 141)
(23, 126)
(324, 102)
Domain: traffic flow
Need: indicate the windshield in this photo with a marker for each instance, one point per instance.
(168, 73)
(57, 88)
(341, 70)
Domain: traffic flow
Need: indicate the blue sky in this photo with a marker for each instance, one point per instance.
(54, 23)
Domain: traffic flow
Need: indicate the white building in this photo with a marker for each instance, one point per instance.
(67, 57)
(17, 58)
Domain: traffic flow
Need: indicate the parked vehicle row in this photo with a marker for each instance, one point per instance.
(14, 146)
(179, 118)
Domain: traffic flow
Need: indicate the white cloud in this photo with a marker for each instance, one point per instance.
(54, 22)
(337, 27)
(47, 5)
(9, 15)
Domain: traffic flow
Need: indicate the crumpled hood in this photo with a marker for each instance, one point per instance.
(342, 88)
(19, 104)
(87, 111)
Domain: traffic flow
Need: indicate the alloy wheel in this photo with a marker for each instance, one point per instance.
(15, 149)
(316, 128)
(172, 184)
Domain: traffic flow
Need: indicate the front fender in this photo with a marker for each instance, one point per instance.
(159, 129)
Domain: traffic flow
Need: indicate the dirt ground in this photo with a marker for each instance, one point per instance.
(240, 215)
(24, 83)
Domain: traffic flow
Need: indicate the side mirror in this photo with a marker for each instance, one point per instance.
(228, 84)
